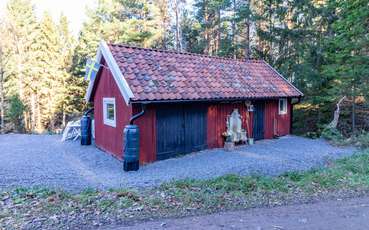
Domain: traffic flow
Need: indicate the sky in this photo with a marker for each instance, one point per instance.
(73, 9)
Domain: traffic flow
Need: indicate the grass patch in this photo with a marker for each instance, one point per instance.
(335, 137)
(21, 206)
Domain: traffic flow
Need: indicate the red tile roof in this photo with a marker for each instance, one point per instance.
(168, 75)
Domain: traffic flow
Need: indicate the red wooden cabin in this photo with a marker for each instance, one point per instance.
(187, 99)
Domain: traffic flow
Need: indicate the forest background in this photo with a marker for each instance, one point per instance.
(321, 46)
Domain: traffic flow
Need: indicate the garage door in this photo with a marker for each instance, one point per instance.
(180, 129)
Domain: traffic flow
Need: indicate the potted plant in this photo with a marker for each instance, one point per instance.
(228, 143)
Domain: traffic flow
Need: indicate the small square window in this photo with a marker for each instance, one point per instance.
(109, 111)
(283, 106)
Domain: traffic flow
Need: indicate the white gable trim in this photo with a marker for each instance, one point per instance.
(123, 86)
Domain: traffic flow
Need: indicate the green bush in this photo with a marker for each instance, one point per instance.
(312, 135)
(15, 112)
(332, 134)
(362, 140)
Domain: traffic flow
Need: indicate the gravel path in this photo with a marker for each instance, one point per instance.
(42, 160)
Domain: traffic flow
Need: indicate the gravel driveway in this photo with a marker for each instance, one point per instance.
(42, 160)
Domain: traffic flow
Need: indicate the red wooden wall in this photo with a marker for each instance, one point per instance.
(147, 126)
(270, 118)
(108, 138)
(284, 121)
(217, 118)
(274, 124)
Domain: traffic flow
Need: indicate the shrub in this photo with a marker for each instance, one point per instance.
(332, 134)
(312, 135)
(15, 112)
(362, 140)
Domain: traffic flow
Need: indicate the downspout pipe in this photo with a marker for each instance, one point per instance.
(88, 111)
(136, 116)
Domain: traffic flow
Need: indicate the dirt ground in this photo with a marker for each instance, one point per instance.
(338, 214)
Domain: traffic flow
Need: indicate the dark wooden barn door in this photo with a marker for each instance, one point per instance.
(179, 130)
(169, 132)
(258, 128)
(195, 128)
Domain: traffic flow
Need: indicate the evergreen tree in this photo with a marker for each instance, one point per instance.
(15, 112)
(191, 33)
(4, 61)
(22, 29)
(209, 13)
(70, 102)
(50, 77)
(121, 21)
(164, 20)
(348, 54)
(39, 64)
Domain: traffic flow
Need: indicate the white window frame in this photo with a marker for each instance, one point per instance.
(107, 121)
(284, 110)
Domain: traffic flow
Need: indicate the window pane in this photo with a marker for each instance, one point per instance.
(281, 106)
(110, 111)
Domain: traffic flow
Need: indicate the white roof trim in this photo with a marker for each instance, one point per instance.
(123, 86)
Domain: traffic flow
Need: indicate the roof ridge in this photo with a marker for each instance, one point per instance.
(187, 53)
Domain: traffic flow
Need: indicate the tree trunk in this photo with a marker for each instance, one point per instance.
(64, 118)
(270, 48)
(39, 127)
(33, 112)
(20, 60)
(353, 114)
(164, 15)
(218, 32)
(206, 33)
(178, 40)
(2, 101)
(234, 45)
(50, 113)
(27, 121)
(353, 102)
(247, 40)
(246, 4)
(336, 115)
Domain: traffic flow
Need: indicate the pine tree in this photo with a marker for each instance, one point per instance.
(177, 7)
(243, 20)
(4, 59)
(214, 25)
(70, 84)
(191, 33)
(22, 30)
(50, 77)
(130, 22)
(348, 52)
(40, 60)
(2, 79)
(164, 20)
